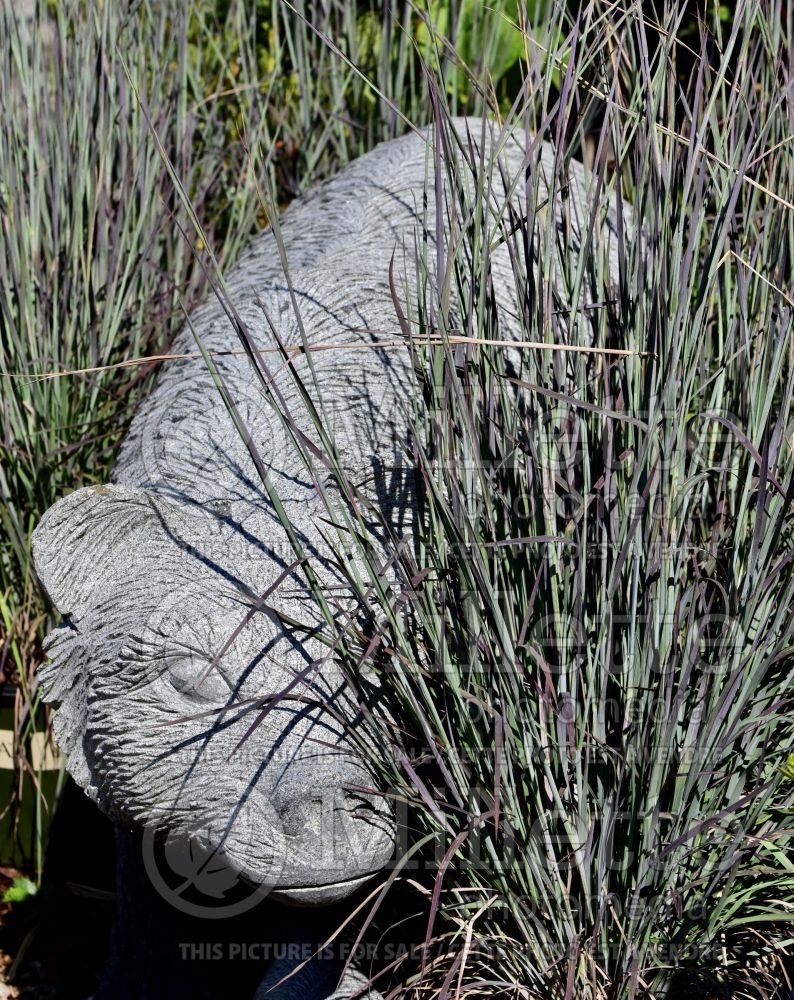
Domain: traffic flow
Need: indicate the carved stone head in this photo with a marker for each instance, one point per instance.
(190, 704)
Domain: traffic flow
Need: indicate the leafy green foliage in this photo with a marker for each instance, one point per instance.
(20, 889)
(467, 25)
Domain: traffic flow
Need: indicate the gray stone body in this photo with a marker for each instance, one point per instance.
(165, 567)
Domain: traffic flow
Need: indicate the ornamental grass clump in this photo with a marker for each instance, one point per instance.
(586, 651)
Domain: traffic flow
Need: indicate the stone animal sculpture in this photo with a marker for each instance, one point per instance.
(177, 581)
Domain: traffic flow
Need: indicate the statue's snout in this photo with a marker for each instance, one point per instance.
(337, 830)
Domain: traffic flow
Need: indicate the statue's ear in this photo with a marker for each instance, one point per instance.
(89, 537)
(82, 545)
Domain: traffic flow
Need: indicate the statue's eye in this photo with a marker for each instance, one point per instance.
(195, 677)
